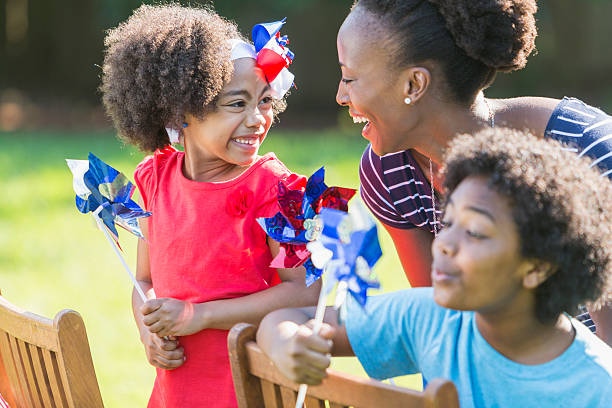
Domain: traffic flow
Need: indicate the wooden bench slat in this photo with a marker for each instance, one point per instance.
(271, 395)
(312, 402)
(288, 396)
(41, 378)
(11, 370)
(23, 384)
(26, 360)
(54, 380)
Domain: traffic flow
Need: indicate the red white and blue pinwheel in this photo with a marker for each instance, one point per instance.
(273, 56)
(103, 190)
(298, 222)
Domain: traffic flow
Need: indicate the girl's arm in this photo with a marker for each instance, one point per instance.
(286, 337)
(413, 247)
(162, 353)
(178, 318)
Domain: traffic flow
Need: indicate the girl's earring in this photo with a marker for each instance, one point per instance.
(407, 101)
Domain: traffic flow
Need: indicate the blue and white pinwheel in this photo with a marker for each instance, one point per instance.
(347, 250)
(107, 194)
(102, 189)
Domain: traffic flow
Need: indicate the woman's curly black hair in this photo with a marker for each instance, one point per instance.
(470, 40)
(162, 62)
(561, 207)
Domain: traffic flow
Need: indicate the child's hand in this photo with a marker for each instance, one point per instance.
(163, 353)
(169, 317)
(304, 357)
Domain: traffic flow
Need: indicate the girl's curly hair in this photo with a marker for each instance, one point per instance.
(561, 207)
(162, 62)
(470, 40)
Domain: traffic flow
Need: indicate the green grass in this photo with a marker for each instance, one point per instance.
(52, 257)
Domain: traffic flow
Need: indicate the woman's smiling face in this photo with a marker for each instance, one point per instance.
(369, 86)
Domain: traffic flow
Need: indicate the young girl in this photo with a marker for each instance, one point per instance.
(205, 256)
(520, 246)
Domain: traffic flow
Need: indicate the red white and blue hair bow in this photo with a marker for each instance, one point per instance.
(271, 53)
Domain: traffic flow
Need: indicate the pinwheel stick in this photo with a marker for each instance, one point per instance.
(114, 245)
(318, 321)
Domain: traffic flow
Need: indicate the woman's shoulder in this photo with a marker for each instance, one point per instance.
(582, 114)
(527, 112)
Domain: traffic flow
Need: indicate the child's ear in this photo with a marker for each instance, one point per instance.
(536, 272)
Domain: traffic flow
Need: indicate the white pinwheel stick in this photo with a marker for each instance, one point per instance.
(321, 258)
(102, 227)
(318, 322)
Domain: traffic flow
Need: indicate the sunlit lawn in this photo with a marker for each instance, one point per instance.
(52, 257)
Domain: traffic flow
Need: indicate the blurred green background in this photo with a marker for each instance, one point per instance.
(52, 257)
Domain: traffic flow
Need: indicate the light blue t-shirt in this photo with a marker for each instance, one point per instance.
(406, 332)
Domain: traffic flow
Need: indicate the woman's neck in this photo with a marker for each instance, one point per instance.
(518, 335)
(446, 121)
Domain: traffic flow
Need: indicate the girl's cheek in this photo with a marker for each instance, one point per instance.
(269, 119)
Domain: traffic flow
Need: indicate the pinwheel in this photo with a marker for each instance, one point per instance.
(298, 222)
(346, 250)
(106, 193)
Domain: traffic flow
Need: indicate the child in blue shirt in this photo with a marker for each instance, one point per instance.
(526, 238)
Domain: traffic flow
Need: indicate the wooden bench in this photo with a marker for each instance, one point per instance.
(45, 363)
(258, 383)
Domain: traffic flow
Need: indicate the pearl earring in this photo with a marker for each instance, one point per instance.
(407, 101)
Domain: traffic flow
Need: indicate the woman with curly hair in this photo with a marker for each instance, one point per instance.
(186, 73)
(519, 247)
(415, 71)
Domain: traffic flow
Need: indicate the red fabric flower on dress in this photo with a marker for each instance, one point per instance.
(239, 201)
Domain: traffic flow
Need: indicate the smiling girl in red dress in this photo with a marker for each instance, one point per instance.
(172, 70)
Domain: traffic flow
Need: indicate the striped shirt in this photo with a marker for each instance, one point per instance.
(397, 192)
(3, 403)
(584, 317)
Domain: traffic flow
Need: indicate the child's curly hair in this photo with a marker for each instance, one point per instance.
(561, 207)
(161, 63)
